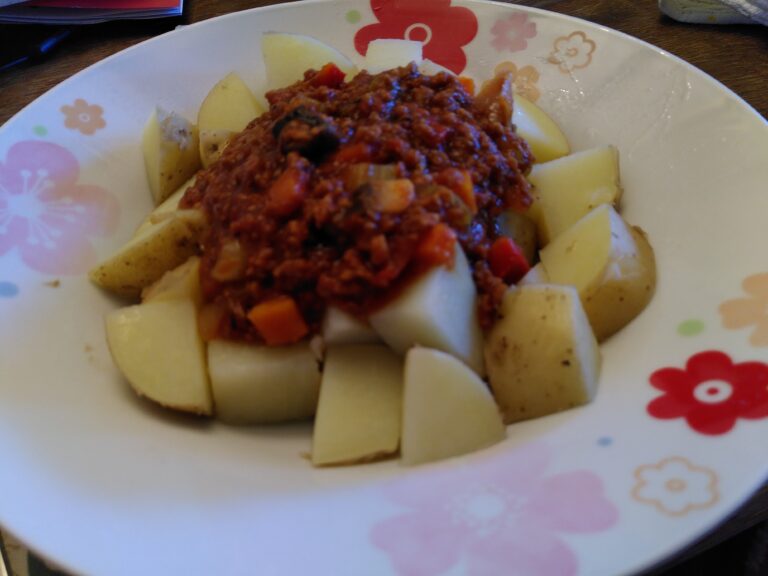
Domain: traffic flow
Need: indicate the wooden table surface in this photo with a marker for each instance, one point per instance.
(735, 55)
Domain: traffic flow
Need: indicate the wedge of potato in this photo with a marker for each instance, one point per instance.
(181, 283)
(611, 266)
(536, 275)
(359, 412)
(387, 53)
(569, 187)
(149, 255)
(438, 310)
(447, 409)
(157, 348)
(543, 135)
(165, 210)
(342, 328)
(541, 356)
(170, 145)
(288, 56)
(262, 385)
(227, 109)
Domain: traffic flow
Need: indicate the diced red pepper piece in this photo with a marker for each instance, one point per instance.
(287, 193)
(438, 247)
(329, 75)
(507, 260)
(468, 83)
(279, 321)
(460, 182)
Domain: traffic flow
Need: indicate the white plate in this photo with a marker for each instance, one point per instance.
(104, 484)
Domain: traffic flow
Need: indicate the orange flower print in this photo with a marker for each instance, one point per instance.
(675, 487)
(572, 52)
(525, 79)
(87, 118)
(750, 311)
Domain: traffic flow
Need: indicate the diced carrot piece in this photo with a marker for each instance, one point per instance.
(360, 152)
(438, 247)
(507, 260)
(460, 182)
(329, 75)
(287, 193)
(468, 83)
(278, 321)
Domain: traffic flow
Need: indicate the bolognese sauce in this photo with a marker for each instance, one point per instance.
(343, 192)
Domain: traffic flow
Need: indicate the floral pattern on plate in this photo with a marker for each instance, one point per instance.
(84, 117)
(512, 33)
(503, 515)
(572, 52)
(675, 487)
(751, 310)
(45, 214)
(444, 29)
(525, 79)
(712, 392)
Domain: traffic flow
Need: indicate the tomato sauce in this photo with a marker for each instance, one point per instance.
(336, 193)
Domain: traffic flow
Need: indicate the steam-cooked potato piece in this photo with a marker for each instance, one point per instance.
(543, 135)
(288, 56)
(569, 187)
(359, 411)
(541, 356)
(447, 409)
(611, 266)
(387, 53)
(181, 283)
(170, 145)
(165, 210)
(149, 255)
(263, 385)
(536, 275)
(438, 310)
(157, 348)
(226, 110)
(342, 328)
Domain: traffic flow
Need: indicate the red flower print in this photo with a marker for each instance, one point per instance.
(712, 392)
(443, 29)
(507, 515)
(45, 214)
(512, 33)
(87, 118)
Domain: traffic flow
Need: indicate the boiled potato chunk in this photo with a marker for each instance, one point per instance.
(288, 56)
(181, 283)
(149, 255)
(227, 109)
(171, 152)
(612, 267)
(522, 229)
(536, 275)
(447, 409)
(438, 310)
(157, 348)
(387, 53)
(166, 209)
(569, 187)
(359, 411)
(541, 356)
(543, 135)
(340, 327)
(263, 385)
(427, 66)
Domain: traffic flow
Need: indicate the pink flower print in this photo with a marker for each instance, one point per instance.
(513, 32)
(572, 52)
(45, 214)
(750, 311)
(503, 516)
(712, 392)
(443, 29)
(87, 118)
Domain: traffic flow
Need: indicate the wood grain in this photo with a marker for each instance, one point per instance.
(737, 56)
